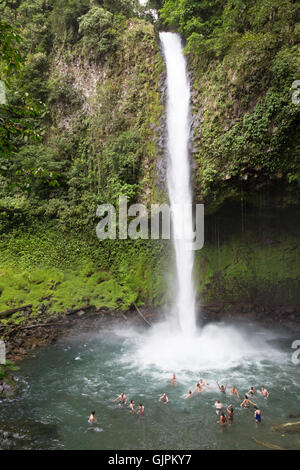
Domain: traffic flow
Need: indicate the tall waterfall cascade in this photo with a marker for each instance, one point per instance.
(183, 349)
(178, 175)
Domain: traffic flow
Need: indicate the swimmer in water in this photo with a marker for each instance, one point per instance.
(189, 395)
(257, 414)
(223, 420)
(200, 387)
(141, 411)
(222, 388)
(246, 402)
(234, 391)
(174, 380)
(265, 392)
(131, 406)
(252, 391)
(230, 412)
(122, 399)
(203, 383)
(164, 398)
(92, 419)
(218, 406)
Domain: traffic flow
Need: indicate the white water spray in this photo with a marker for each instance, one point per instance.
(178, 124)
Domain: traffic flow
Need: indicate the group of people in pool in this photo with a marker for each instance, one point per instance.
(246, 403)
(201, 385)
(122, 400)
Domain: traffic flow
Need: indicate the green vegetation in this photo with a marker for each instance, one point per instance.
(98, 129)
(5, 370)
(244, 270)
(18, 115)
(98, 34)
(56, 271)
(245, 58)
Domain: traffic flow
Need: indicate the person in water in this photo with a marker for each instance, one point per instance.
(223, 420)
(122, 399)
(252, 391)
(189, 395)
(164, 399)
(218, 406)
(131, 406)
(265, 392)
(203, 383)
(173, 379)
(200, 387)
(230, 412)
(257, 414)
(222, 388)
(141, 411)
(234, 391)
(92, 419)
(247, 402)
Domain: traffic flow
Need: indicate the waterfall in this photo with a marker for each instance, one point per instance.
(179, 186)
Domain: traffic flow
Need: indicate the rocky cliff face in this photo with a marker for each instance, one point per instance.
(117, 106)
(246, 153)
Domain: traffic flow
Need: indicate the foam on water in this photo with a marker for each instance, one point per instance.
(214, 347)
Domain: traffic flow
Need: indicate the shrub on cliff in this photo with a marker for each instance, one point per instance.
(98, 33)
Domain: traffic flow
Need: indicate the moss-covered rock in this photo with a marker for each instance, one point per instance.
(54, 272)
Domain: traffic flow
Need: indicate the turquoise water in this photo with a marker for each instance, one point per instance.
(81, 373)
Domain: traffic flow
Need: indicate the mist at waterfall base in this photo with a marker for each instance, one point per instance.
(213, 347)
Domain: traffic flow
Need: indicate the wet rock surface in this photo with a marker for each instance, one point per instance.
(284, 315)
(21, 341)
(8, 390)
(27, 435)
